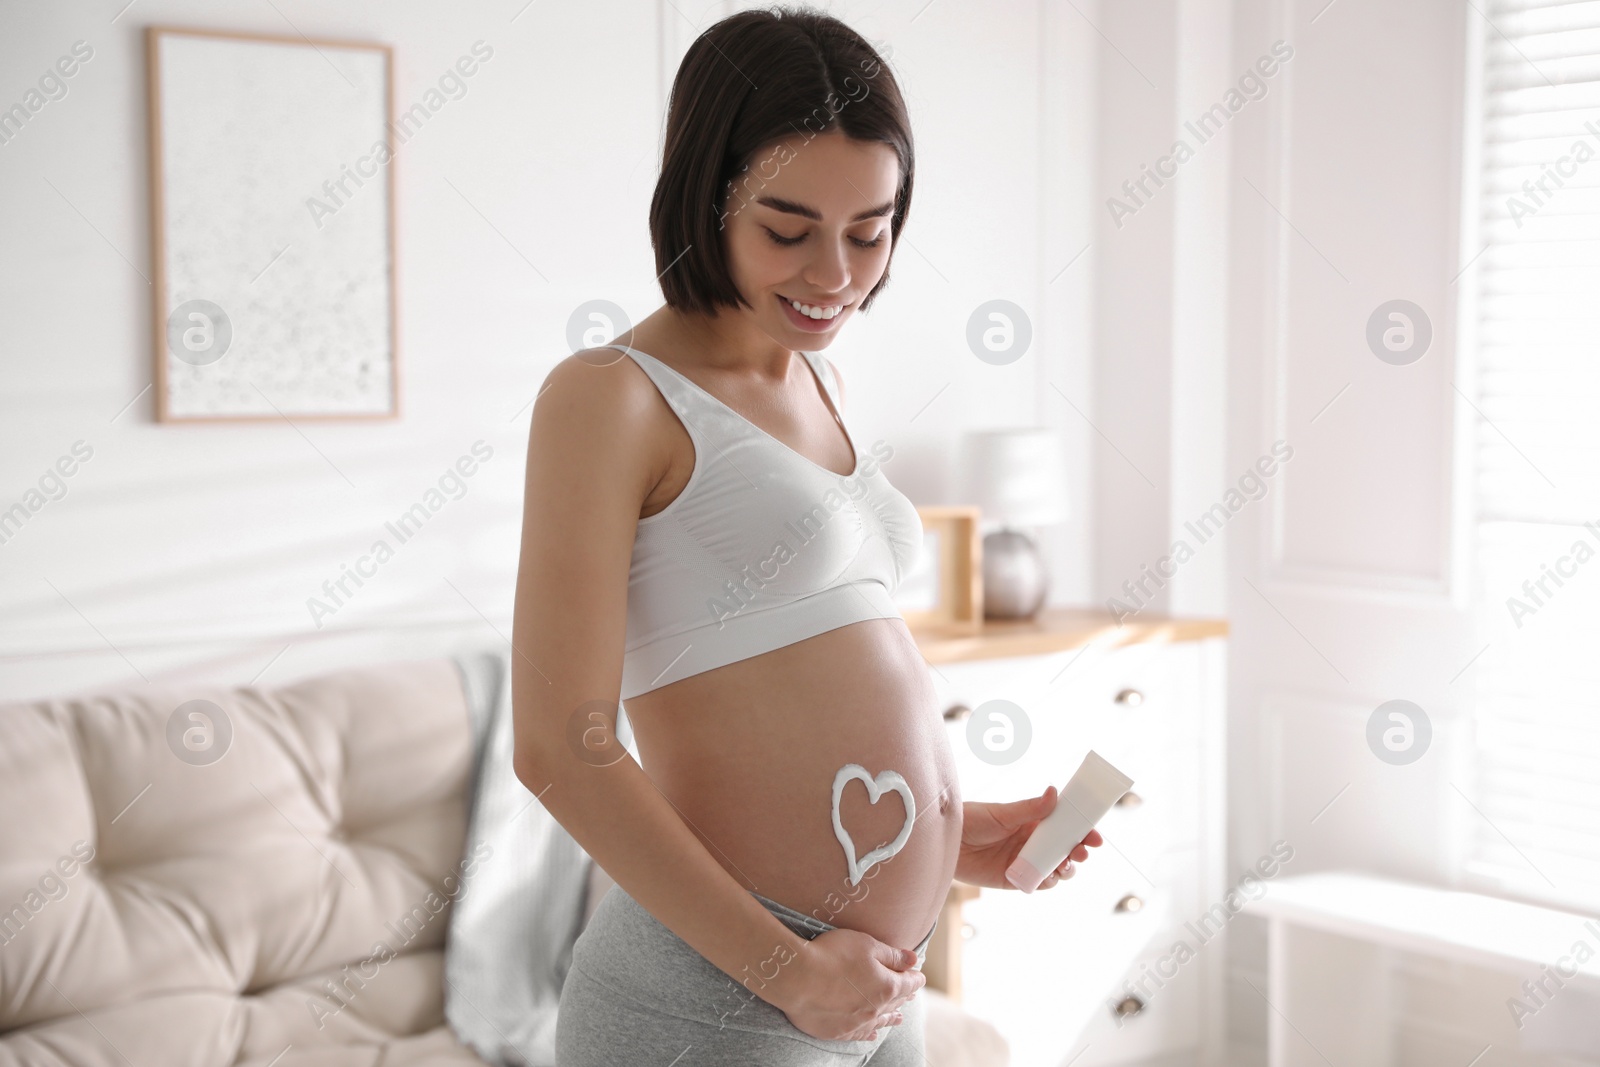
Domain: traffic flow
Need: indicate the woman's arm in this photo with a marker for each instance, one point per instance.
(595, 450)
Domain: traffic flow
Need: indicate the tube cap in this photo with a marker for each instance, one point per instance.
(1024, 875)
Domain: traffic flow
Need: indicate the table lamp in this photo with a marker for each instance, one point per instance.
(1018, 479)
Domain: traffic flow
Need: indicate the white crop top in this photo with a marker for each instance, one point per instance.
(762, 547)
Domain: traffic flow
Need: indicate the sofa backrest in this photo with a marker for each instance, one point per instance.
(227, 839)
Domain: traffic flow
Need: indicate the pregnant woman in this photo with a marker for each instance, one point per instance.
(706, 541)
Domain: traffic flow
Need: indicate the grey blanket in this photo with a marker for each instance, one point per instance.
(521, 907)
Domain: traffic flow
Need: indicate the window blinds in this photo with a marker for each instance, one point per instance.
(1538, 453)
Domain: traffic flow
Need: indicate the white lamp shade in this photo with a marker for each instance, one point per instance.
(1017, 477)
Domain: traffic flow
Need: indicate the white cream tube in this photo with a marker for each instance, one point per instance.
(1089, 794)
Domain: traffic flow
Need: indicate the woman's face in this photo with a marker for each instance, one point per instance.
(808, 221)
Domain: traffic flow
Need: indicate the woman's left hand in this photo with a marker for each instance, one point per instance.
(993, 834)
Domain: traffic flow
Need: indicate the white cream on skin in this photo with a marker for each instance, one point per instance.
(886, 781)
(1093, 788)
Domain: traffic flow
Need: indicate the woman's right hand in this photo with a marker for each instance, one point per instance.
(845, 985)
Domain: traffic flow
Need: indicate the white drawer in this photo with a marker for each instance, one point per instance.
(1163, 763)
(1116, 699)
(1114, 886)
(1164, 981)
(1166, 1022)
(1167, 816)
(1167, 786)
(1140, 694)
(1037, 967)
(1040, 966)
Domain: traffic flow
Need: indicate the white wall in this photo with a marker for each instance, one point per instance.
(185, 547)
(1160, 245)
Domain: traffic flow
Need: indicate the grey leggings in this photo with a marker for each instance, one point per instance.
(638, 994)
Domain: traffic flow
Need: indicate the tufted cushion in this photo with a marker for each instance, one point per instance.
(174, 895)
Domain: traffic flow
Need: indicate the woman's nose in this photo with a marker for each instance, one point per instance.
(829, 271)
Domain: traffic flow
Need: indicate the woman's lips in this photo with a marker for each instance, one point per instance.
(806, 322)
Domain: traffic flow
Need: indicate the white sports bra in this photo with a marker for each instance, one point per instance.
(762, 547)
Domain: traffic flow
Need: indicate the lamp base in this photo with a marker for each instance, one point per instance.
(1015, 580)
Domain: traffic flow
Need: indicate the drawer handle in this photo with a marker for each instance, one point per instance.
(1128, 1007)
(956, 712)
(1130, 698)
(1130, 799)
(1129, 903)
(968, 931)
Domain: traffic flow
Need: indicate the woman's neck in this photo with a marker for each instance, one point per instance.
(729, 342)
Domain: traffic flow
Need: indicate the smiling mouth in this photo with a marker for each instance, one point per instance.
(826, 311)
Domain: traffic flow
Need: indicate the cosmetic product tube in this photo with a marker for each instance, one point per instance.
(1089, 794)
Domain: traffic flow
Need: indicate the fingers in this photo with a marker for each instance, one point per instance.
(1060, 874)
(1016, 814)
(904, 985)
(915, 980)
(893, 1018)
(896, 959)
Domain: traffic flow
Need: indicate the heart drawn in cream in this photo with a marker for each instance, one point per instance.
(885, 781)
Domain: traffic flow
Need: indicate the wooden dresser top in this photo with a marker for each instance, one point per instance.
(1059, 630)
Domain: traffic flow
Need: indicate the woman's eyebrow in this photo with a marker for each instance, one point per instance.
(790, 207)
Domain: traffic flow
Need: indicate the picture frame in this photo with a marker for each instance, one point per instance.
(944, 592)
(272, 205)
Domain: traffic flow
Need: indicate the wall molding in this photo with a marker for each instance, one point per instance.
(1444, 586)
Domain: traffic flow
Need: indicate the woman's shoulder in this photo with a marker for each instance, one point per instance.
(597, 421)
(598, 381)
(599, 400)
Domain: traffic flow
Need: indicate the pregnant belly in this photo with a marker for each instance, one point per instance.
(748, 754)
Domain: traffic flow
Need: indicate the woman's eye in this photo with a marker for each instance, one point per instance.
(786, 241)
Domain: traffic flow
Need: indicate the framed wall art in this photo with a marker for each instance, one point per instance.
(945, 590)
(272, 223)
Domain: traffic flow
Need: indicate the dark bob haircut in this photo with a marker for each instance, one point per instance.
(749, 81)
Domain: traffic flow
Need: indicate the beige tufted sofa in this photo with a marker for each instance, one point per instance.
(225, 908)
(265, 886)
